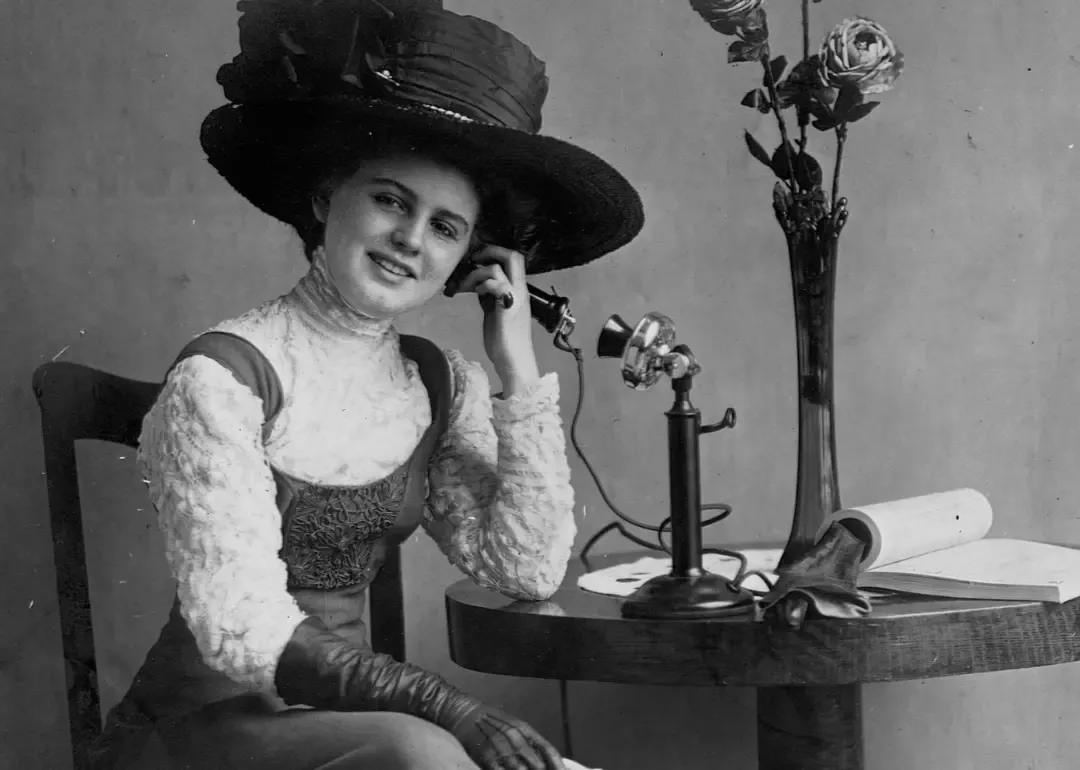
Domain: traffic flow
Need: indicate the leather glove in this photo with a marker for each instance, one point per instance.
(498, 741)
(821, 583)
(322, 670)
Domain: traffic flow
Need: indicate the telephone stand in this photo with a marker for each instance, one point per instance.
(688, 591)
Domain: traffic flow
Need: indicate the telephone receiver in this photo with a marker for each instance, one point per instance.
(549, 310)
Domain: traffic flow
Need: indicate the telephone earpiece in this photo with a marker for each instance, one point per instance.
(464, 267)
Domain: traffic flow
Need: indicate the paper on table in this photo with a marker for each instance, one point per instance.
(992, 568)
(914, 526)
(624, 579)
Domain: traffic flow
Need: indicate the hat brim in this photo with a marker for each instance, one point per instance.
(275, 153)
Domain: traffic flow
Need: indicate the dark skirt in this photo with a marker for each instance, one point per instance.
(179, 714)
(250, 733)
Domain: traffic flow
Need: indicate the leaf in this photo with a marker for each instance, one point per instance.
(740, 51)
(776, 68)
(782, 161)
(848, 99)
(807, 170)
(822, 112)
(753, 98)
(819, 109)
(757, 150)
(757, 100)
(860, 112)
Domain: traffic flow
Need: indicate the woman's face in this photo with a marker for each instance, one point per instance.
(395, 231)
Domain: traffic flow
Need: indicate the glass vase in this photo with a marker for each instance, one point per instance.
(812, 230)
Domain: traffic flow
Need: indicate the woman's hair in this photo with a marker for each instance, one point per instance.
(508, 214)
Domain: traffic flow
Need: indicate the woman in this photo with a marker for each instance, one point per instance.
(291, 446)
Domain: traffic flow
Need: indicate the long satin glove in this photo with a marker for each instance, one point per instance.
(322, 670)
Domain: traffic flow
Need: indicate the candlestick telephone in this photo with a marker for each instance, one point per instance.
(648, 352)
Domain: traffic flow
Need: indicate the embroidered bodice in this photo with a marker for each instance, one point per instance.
(330, 533)
(353, 411)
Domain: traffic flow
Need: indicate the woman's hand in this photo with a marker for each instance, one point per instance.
(497, 741)
(500, 274)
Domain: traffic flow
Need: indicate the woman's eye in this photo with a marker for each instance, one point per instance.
(445, 230)
(384, 199)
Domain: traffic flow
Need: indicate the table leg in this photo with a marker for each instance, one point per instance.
(810, 728)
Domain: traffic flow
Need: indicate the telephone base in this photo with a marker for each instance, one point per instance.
(688, 597)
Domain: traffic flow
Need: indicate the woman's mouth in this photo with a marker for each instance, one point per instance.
(391, 266)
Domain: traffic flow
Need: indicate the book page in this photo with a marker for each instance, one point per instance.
(901, 529)
(991, 562)
(625, 578)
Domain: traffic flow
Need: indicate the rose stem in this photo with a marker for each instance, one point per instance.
(773, 99)
(805, 29)
(841, 135)
(805, 55)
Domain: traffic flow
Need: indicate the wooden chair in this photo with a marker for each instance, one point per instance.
(78, 402)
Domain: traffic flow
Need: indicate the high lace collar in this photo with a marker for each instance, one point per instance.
(323, 302)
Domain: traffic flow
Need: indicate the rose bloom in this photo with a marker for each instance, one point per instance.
(861, 53)
(724, 10)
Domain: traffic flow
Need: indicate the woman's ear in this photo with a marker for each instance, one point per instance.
(320, 206)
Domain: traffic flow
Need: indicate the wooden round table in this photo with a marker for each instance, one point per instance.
(808, 704)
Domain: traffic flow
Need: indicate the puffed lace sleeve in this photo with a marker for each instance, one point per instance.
(202, 457)
(500, 505)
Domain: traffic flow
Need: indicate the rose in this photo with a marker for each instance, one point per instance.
(725, 12)
(859, 52)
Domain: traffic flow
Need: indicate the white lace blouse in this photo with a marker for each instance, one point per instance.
(500, 505)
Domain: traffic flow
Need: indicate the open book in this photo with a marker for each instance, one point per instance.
(936, 545)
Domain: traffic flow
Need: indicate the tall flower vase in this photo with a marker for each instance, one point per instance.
(812, 229)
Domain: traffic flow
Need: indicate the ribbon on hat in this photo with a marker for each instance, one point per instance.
(468, 66)
(295, 49)
(408, 52)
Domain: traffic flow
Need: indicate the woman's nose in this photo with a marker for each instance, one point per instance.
(408, 235)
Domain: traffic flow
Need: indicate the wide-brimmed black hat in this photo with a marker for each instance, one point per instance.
(320, 82)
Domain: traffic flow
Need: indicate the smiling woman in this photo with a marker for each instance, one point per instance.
(291, 447)
(395, 231)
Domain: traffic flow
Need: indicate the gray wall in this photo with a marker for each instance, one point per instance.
(957, 361)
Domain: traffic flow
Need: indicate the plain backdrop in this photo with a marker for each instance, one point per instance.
(957, 354)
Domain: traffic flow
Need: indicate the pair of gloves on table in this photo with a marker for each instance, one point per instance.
(323, 670)
(820, 583)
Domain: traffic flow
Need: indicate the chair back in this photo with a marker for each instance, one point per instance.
(78, 402)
